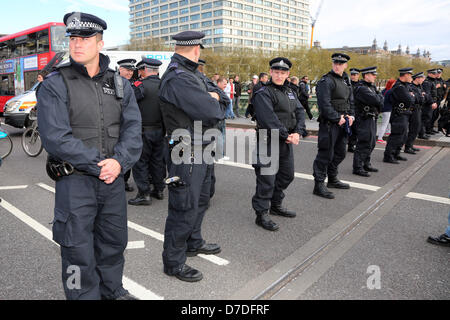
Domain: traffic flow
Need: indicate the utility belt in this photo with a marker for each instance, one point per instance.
(401, 109)
(186, 141)
(57, 169)
(368, 112)
(151, 128)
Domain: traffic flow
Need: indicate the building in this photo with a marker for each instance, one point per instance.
(253, 24)
(375, 50)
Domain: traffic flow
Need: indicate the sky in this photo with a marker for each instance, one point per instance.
(420, 24)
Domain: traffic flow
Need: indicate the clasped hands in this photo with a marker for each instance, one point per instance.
(110, 170)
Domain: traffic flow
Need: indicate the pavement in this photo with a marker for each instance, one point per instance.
(368, 243)
(312, 126)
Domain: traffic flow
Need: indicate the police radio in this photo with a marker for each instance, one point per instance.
(118, 84)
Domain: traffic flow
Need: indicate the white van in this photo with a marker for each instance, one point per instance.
(17, 109)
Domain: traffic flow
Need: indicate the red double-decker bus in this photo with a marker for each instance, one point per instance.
(23, 54)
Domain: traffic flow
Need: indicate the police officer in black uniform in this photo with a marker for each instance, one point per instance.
(126, 69)
(90, 126)
(429, 85)
(151, 161)
(184, 99)
(368, 104)
(403, 99)
(336, 108)
(415, 121)
(276, 108)
(441, 87)
(354, 80)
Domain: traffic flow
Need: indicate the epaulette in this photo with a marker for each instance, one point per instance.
(63, 64)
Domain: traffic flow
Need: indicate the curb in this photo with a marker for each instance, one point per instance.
(419, 142)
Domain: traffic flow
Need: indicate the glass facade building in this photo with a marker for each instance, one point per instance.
(254, 24)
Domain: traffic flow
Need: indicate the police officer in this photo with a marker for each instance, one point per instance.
(403, 99)
(184, 98)
(429, 85)
(441, 87)
(368, 104)
(151, 161)
(336, 108)
(354, 80)
(126, 70)
(415, 122)
(90, 126)
(276, 108)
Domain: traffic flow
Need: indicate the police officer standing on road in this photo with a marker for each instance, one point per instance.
(276, 108)
(429, 85)
(403, 99)
(151, 161)
(336, 108)
(184, 98)
(91, 128)
(354, 80)
(415, 121)
(126, 70)
(368, 104)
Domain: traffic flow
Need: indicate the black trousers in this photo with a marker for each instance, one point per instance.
(352, 140)
(397, 138)
(366, 129)
(152, 162)
(90, 225)
(414, 127)
(331, 146)
(270, 184)
(435, 115)
(187, 206)
(427, 114)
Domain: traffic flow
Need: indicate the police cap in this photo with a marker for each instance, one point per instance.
(201, 62)
(418, 75)
(433, 71)
(280, 63)
(340, 57)
(405, 70)
(440, 70)
(189, 38)
(372, 70)
(127, 63)
(84, 25)
(148, 63)
(354, 71)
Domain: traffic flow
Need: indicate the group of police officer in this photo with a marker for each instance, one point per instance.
(97, 125)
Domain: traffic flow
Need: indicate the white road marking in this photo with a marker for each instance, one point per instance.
(46, 187)
(158, 236)
(136, 245)
(13, 187)
(356, 185)
(426, 197)
(134, 288)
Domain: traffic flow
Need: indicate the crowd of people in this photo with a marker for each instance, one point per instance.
(99, 126)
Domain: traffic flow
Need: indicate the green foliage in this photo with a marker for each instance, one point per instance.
(312, 62)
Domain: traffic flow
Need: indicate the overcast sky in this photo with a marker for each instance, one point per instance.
(423, 24)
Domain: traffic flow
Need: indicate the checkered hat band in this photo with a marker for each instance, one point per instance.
(84, 26)
(188, 42)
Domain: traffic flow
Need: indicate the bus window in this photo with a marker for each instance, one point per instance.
(29, 47)
(59, 40)
(42, 41)
(7, 85)
(30, 79)
(4, 51)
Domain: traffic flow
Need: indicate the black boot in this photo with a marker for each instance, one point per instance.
(399, 157)
(424, 137)
(278, 210)
(263, 220)
(351, 148)
(368, 167)
(415, 149)
(409, 150)
(322, 191)
(390, 160)
(141, 199)
(361, 172)
(333, 182)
